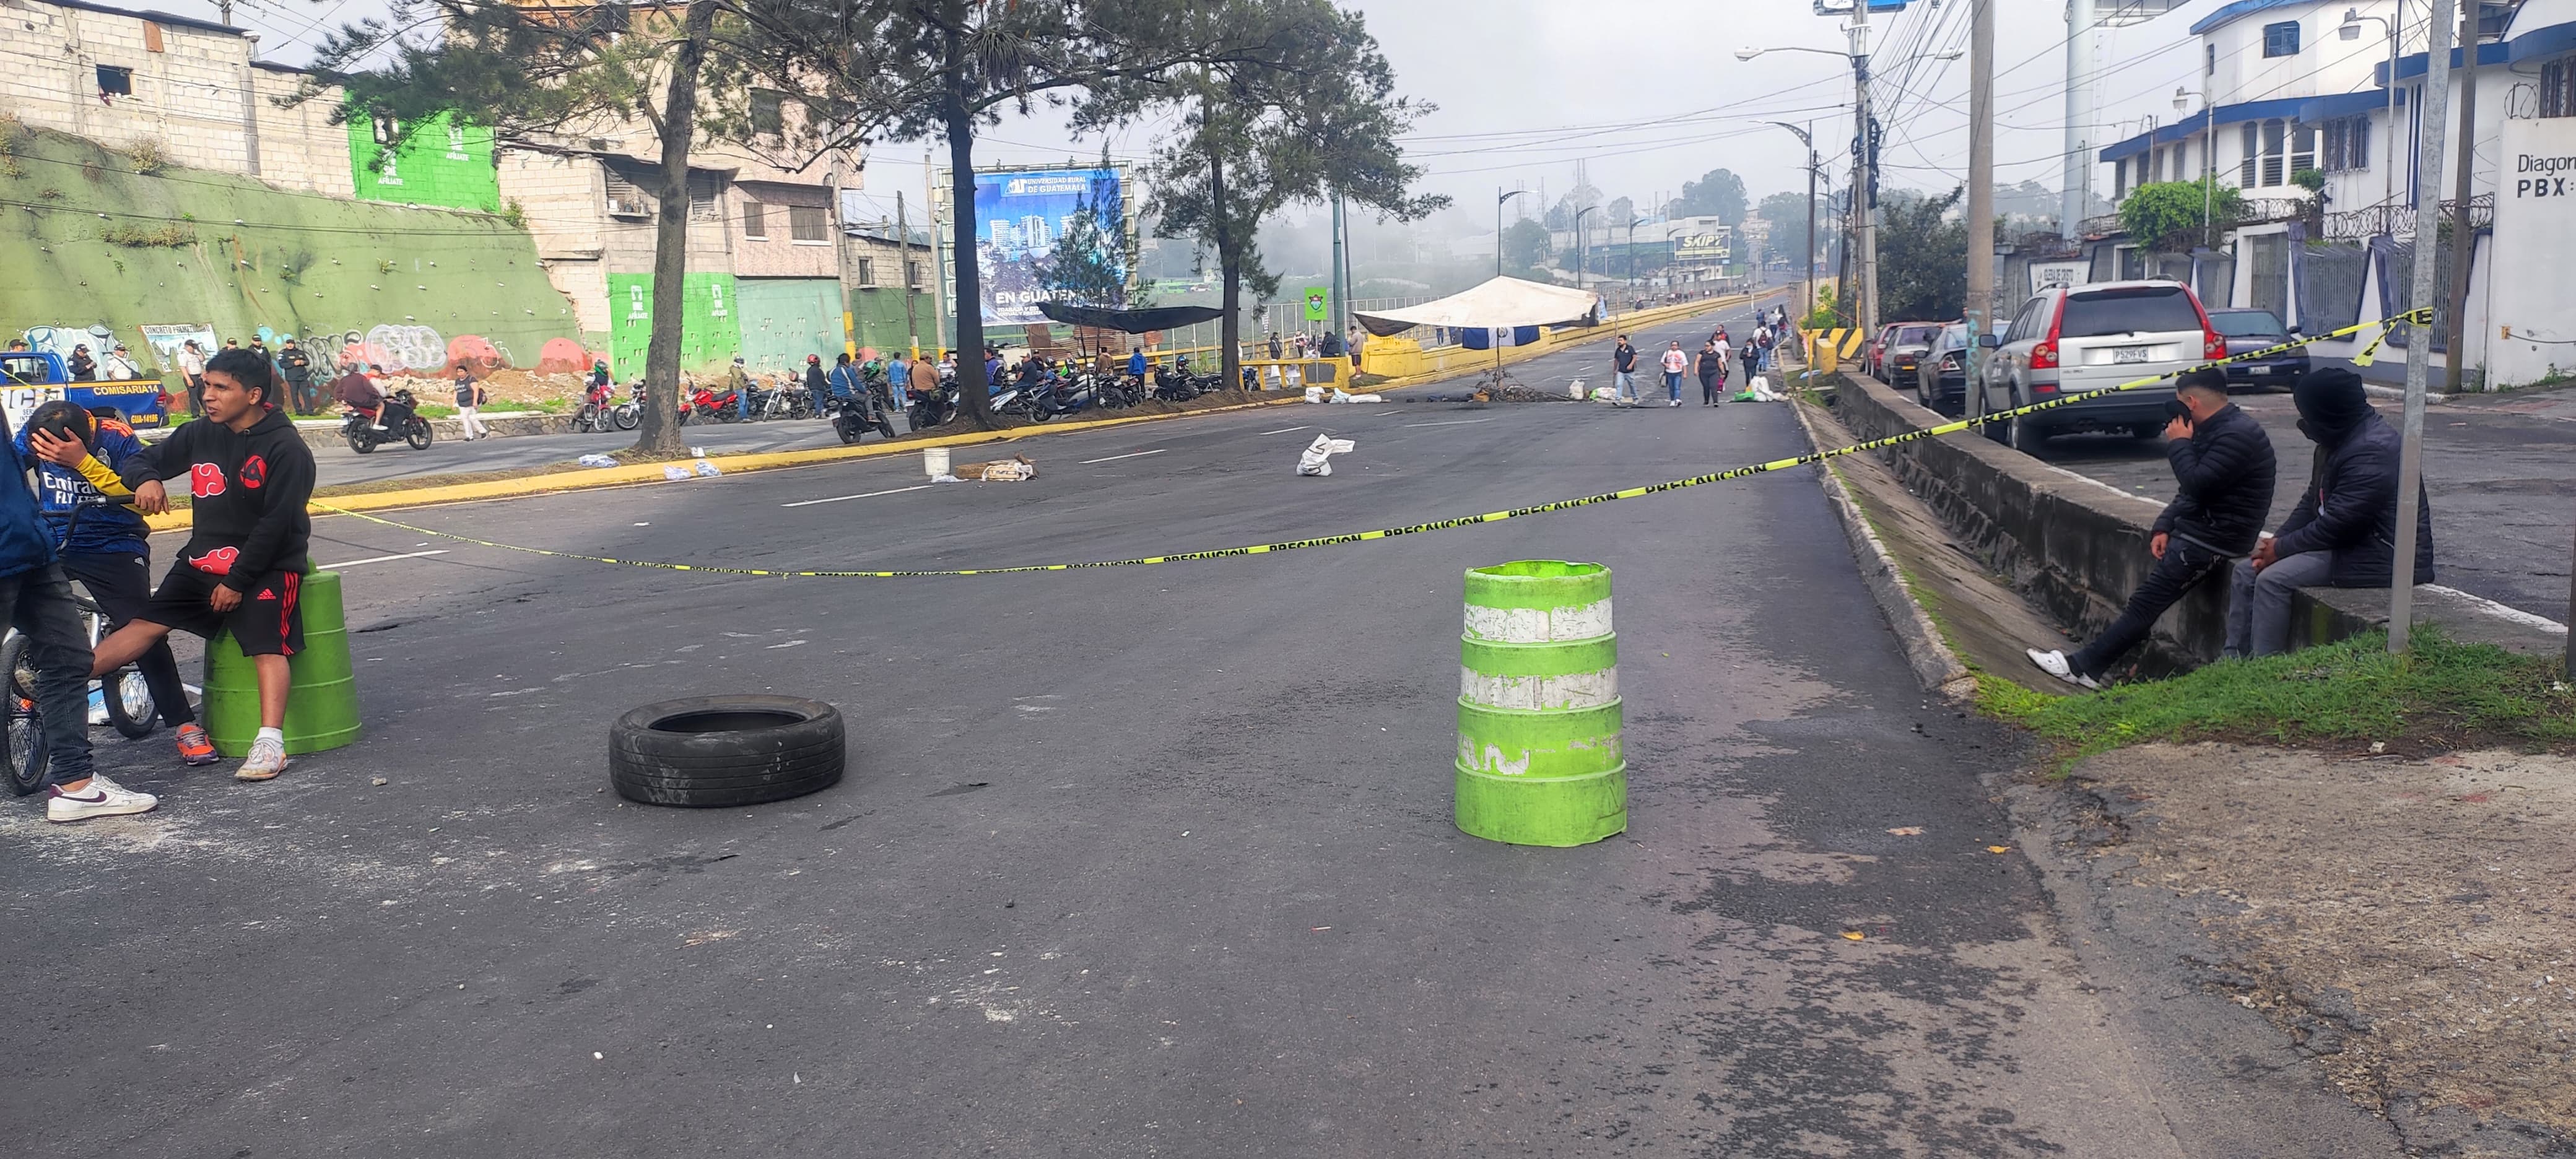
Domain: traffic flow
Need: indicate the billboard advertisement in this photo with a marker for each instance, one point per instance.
(1020, 218)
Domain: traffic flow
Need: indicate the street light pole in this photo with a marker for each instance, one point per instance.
(1499, 198)
(1866, 188)
(1807, 265)
(2464, 241)
(1579, 269)
(2419, 339)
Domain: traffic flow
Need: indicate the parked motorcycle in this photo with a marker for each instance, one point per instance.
(1057, 397)
(600, 412)
(397, 420)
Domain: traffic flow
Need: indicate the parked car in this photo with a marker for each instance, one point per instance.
(2250, 330)
(1941, 377)
(2082, 340)
(1903, 345)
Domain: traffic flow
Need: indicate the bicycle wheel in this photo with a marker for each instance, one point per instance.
(129, 704)
(24, 752)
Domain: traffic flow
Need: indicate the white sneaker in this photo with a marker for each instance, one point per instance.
(267, 759)
(103, 798)
(2054, 663)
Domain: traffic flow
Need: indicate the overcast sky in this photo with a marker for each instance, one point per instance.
(1648, 91)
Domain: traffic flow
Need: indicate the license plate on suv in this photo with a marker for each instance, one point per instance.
(2127, 355)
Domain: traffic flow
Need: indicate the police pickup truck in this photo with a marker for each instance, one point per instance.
(29, 379)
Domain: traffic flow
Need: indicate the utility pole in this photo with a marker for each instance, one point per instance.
(938, 268)
(841, 262)
(1865, 189)
(2078, 200)
(911, 284)
(1341, 288)
(1807, 263)
(2464, 242)
(1981, 183)
(2419, 339)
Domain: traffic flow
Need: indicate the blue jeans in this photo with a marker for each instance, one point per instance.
(1673, 384)
(1625, 382)
(40, 607)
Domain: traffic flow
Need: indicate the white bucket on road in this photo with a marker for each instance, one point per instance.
(934, 461)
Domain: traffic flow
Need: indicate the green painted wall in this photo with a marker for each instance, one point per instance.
(710, 328)
(444, 163)
(785, 319)
(879, 319)
(300, 264)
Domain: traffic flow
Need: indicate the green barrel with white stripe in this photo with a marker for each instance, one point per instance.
(1539, 759)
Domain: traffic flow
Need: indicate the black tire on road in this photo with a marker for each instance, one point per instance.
(362, 444)
(712, 752)
(625, 416)
(417, 432)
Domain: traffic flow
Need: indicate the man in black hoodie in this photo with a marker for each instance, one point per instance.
(249, 478)
(2343, 534)
(2223, 474)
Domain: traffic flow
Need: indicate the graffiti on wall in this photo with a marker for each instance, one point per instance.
(59, 340)
(400, 348)
(166, 339)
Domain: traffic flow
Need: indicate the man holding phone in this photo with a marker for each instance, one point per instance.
(2224, 473)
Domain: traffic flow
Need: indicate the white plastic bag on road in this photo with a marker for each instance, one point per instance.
(1314, 394)
(1318, 455)
(677, 473)
(707, 470)
(596, 460)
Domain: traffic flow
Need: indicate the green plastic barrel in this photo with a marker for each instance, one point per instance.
(1539, 718)
(321, 701)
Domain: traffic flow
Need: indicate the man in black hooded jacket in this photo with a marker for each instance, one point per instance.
(2224, 474)
(2343, 534)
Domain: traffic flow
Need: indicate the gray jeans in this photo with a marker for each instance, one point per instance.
(2258, 607)
(40, 608)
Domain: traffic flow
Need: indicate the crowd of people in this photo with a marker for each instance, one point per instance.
(1758, 350)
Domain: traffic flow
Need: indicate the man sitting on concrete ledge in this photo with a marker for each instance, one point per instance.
(2343, 534)
(2223, 474)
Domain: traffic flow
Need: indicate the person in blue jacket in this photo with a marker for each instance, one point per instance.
(37, 598)
(76, 455)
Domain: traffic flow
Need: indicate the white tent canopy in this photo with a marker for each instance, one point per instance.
(1499, 304)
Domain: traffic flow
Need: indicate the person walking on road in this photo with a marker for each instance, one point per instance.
(2224, 475)
(1623, 370)
(75, 456)
(1712, 370)
(1675, 363)
(2343, 533)
(470, 397)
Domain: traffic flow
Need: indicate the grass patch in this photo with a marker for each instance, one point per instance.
(2444, 696)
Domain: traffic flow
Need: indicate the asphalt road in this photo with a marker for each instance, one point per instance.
(2500, 471)
(1131, 861)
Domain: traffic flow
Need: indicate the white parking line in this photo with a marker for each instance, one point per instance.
(869, 495)
(382, 559)
(1388, 414)
(1450, 423)
(1285, 430)
(1115, 458)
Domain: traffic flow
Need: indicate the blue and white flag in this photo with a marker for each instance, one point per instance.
(1479, 338)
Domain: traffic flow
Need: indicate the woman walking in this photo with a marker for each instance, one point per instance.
(1712, 370)
(1675, 362)
(470, 397)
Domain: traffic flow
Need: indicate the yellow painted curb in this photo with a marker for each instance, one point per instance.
(595, 477)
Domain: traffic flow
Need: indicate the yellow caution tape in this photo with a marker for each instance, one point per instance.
(2421, 317)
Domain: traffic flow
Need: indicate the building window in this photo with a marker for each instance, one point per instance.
(768, 112)
(2120, 181)
(2281, 39)
(912, 275)
(2250, 152)
(2276, 134)
(2211, 69)
(2558, 87)
(625, 200)
(706, 197)
(114, 81)
(755, 220)
(805, 223)
(868, 272)
(2347, 144)
(2303, 147)
(387, 129)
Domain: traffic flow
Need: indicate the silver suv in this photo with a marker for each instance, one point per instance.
(2074, 340)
